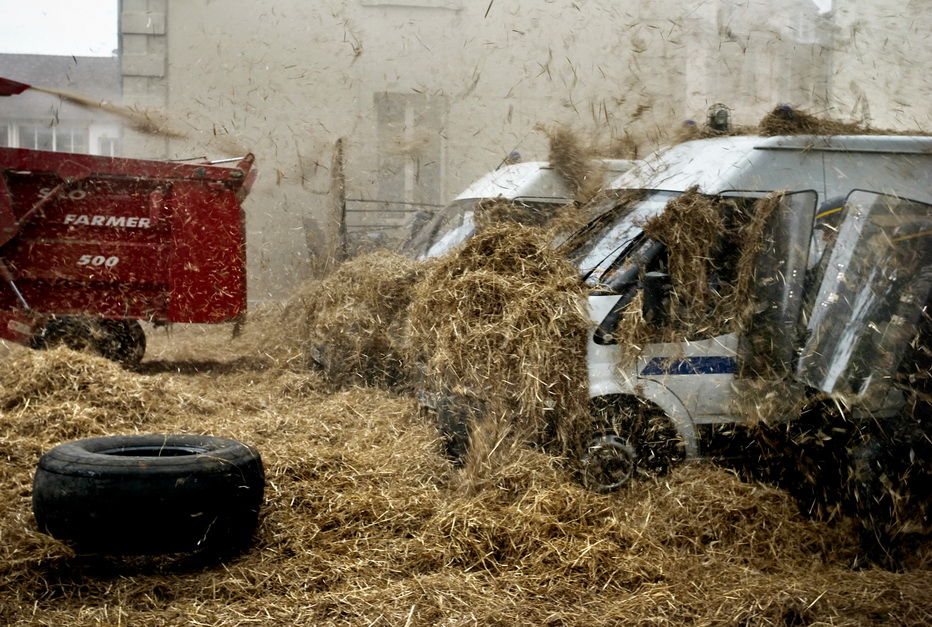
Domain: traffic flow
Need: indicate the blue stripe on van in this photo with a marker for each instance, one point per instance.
(690, 365)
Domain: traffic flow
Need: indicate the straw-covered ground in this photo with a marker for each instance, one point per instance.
(366, 522)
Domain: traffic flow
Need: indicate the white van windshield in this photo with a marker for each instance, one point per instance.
(620, 220)
(456, 223)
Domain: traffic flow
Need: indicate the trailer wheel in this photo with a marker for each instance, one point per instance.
(122, 341)
(70, 331)
(150, 494)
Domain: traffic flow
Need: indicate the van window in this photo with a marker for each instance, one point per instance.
(871, 293)
(702, 261)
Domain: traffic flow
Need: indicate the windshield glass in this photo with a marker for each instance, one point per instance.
(873, 288)
(456, 223)
(619, 222)
(448, 227)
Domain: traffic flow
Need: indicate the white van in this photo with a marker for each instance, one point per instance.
(824, 322)
(533, 185)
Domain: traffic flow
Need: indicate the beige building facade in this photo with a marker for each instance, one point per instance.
(426, 95)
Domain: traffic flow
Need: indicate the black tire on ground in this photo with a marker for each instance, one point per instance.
(627, 433)
(150, 494)
(454, 415)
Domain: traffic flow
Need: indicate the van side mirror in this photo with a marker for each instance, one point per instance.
(655, 287)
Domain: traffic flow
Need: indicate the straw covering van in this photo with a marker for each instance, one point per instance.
(781, 283)
(534, 188)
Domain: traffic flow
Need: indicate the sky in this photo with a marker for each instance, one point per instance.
(85, 28)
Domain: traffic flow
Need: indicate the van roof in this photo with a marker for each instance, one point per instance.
(533, 180)
(752, 163)
(893, 144)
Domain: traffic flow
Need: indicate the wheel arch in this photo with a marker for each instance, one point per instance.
(659, 399)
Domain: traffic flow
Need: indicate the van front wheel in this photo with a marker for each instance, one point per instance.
(624, 430)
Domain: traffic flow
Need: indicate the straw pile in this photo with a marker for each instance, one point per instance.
(56, 395)
(366, 523)
(500, 324)
(350, 323)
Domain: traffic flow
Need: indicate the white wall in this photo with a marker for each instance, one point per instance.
(882, 59)
(429, 94)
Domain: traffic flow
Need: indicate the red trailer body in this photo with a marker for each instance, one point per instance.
(121, 239)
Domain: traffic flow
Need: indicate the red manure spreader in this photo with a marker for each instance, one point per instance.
(90, 246)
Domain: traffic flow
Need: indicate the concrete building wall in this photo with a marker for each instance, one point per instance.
(144, 61)
(882, 55)
(429, 94)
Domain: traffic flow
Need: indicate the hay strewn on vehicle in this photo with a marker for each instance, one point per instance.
(691, 226)
(574, 162)
(785, 120)
(712, 250)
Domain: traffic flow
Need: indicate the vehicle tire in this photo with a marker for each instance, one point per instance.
(607, 464)
(72, 332)
(454, 415)
(627, 439)
(122, 341)
(150, 494)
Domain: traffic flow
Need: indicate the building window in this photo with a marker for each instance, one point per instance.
(56, 138)
(108, 146)
(806, 29)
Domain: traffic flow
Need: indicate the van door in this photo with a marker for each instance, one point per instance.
(700, 368)
(767, 345)
(772, 334)
(871, 291)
